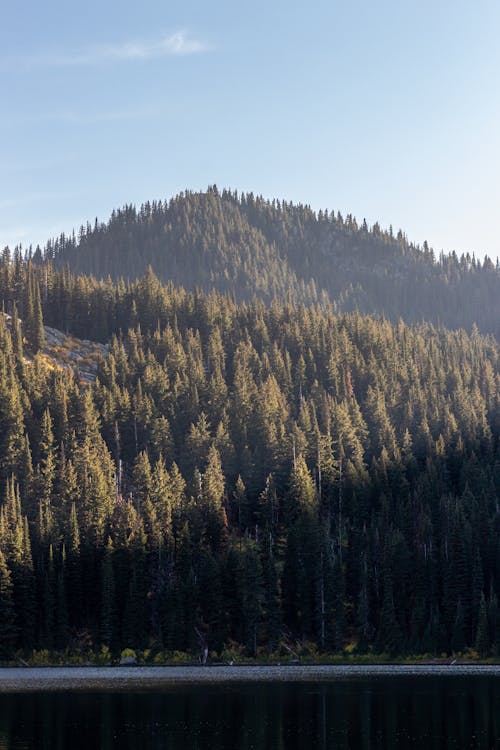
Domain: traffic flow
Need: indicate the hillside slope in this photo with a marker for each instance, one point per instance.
(250, 477)
(246, 246)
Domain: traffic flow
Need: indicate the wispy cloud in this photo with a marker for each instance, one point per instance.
(69, 117)
(92, 118)
(181, 43)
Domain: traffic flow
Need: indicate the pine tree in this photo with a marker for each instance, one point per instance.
(23, 578)
(365, 628)
(241, 512)
(48, 591)
(108, 613)
(389, 636)
(38, 340)
(12, 421)
(61, 629)
(458, 634)
(271, 598)
(302, 496)
(8, 630)
(32, 314)
(213, 487)
(17, 342)
(45, 475)
(482, 632)
(252, 597)
(136, 617)
(74, 569)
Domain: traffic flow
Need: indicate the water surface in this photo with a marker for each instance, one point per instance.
(374, 711)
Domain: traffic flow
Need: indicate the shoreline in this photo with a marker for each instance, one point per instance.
(120, 679)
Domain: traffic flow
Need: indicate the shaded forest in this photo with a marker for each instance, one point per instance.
(244, 245)
(244, 473)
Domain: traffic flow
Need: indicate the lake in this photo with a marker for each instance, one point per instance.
(364, 711)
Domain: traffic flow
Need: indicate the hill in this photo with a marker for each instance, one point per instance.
(243, 477)
(245, 246)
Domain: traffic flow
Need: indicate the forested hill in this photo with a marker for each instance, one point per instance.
(250, 477)
(248, 246)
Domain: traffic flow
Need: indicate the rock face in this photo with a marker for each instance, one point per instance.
(62, 351)
(65, 351)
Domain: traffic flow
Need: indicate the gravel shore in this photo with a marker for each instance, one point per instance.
(41, 679)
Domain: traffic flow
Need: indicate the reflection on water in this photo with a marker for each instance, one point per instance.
(417, 712)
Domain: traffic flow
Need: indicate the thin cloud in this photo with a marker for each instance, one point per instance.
(181, 43)
(83, 118)
(76, 118)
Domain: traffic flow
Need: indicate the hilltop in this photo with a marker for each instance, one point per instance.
(248, 246)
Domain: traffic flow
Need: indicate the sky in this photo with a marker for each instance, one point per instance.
(388, 110)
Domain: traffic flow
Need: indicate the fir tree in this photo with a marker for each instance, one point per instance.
(8, 631)
(482, 633)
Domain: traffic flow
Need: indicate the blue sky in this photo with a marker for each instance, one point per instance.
(389, 110)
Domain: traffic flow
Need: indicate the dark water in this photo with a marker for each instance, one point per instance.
(385, 712)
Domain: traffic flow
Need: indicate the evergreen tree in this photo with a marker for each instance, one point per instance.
(107, 596)
(8, 630)
(458, 635)
(389, 637)
(482, 633)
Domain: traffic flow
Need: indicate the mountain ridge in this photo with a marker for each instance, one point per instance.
(245, 245)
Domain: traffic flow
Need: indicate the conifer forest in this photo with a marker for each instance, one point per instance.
(292, 437)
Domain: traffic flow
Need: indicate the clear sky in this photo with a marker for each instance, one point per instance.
(389, 109)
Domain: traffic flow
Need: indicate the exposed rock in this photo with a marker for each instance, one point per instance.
(65, 351)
